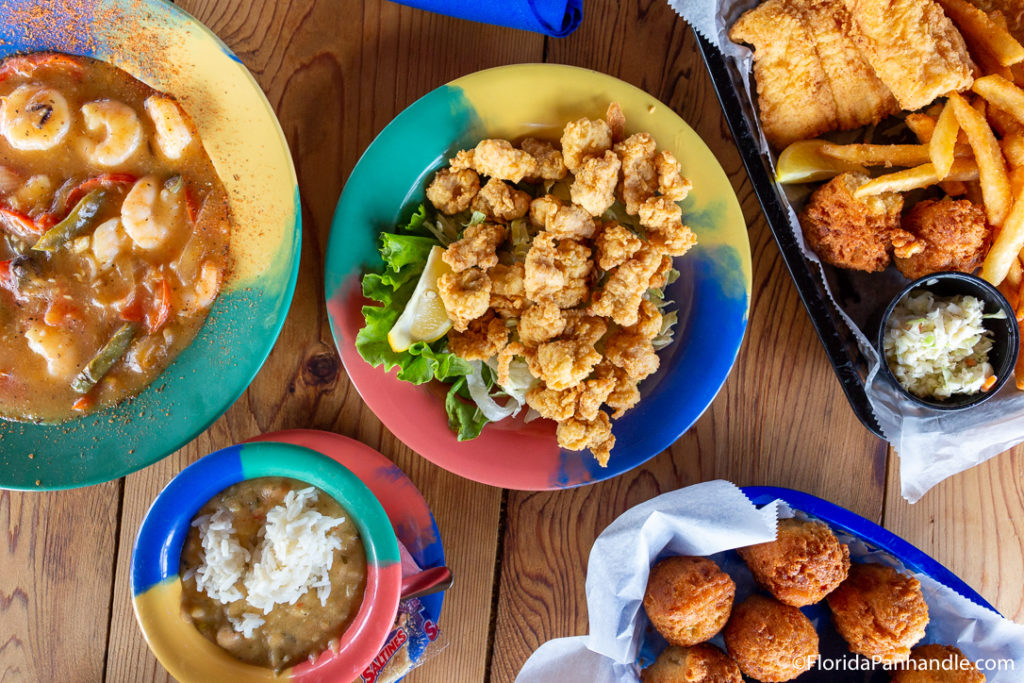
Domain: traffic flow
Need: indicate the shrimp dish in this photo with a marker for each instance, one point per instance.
(113, 235)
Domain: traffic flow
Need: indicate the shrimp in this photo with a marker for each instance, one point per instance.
(34, 118)
(199, 295)
(173, 135)
(58, 347)
(107, 242)
(121, 129)
(151, 211)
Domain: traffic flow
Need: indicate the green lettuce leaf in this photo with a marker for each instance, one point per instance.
(464, 417)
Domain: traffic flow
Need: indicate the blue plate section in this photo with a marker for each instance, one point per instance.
(913, 558)
(157, 553)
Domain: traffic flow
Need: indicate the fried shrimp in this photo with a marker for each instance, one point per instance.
(452, 191)
(594, 186)
(639, 174)
(578, 434)
(477, 248)
(688, 599)
(584, 138)
(671, 182)
(499, 159)
(550, 165)
(620, 298)
(508, 293)
(615, 245)
(500, 201)
(466, 296)
(482, 339)
(540, 323)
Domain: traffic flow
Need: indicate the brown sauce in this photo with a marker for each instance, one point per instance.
(92, 315)
(291, 632)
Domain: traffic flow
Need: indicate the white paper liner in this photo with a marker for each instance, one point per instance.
(708, 519)
(932, 445)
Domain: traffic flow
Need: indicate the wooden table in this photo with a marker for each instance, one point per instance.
(336, 72)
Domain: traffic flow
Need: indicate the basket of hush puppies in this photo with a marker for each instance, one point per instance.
(678, 590)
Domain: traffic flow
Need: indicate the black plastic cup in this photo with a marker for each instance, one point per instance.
(1005, 333)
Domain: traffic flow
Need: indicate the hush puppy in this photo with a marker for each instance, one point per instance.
(703, 663)
(880, 612)
(804, 564)
(770, 641)
(688, 599)
(938, 664)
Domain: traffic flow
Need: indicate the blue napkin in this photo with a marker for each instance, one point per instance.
(556, 18)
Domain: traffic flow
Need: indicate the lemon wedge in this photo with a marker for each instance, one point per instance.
(424, 318)
(803, 162)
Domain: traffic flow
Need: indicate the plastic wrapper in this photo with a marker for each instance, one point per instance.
(932, 445)
(712, 519)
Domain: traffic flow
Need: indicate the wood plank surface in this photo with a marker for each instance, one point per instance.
(336, 72)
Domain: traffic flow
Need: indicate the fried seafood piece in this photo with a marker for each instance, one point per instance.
(584, 328)
(592, 395)
(955, 235)
(570, 222)
(648, 323)
(671, 182)
(574, 260)
(497, 199)
(913, 47)
(559, 272)
(564, 363)
(702, 663)
(508, 293)
(594, 185)
(879, 612)
(639, 174)
(542, 208)
(657, 213)
(466, 296)
(938, 664)
(625, 394)
(616, 121)
(508, 354)
(582, 401)
(632, 352)
(688, 599)
(793, 92)
(584, 138)
(482, 339)
(673, 240)
(550, 165)
(854, 233)
(540, 323)
(771, 641)
(452, 191)
(802, 565)
(660, 278)
(477, 248)
(577, 434)
(615, 244)
(497, 159)
(620, 297)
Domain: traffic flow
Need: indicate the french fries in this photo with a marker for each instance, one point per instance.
(1002, 94)
(878, 155)
(1007, 244)
(984, 35)
(942, 146)
(995, 181)
(1013, 149)
(922, 125)
(917, 178)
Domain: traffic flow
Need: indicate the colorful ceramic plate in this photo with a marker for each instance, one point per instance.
(712, 293)
(411, 518)
(165, 47)
(156, 586)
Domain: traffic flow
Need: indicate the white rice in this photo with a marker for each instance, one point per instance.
(224, 559)
(247, 625)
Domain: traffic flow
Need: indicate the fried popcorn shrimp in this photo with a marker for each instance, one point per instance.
(451, 191)
(466, 296)
(802, 565)
(620, 298)
(594, 185)
(639, 175)
(553, 404)
(499, 159)
(633, 353)
(584, 138)
(674, 240)
(483, 338)
(616, 121)
(570, 222)
(660, 278)
(938, 664)
(671, 182)
(576, 435)
(508, 294)
(879, 612)
(771, 641)
(703, 663)
(541, 323)
(510, 353)
(649, 320)
(497, 199)
(543, 277)
(477, 248)
(657, 213)
(592, 394)
(955, 235)
(574, 260)
(615, 244)
(542, 208)
(688, 599)
(463, 159)
(564, 363)
(586, 329)
(624, 395)
(550, 165)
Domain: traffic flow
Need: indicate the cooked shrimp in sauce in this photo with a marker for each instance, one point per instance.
(113, 235)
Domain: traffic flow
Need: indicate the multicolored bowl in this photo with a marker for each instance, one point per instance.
(156, 586)
(712, 293)
(171, 51)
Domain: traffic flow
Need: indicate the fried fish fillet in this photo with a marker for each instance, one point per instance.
(913, 47)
